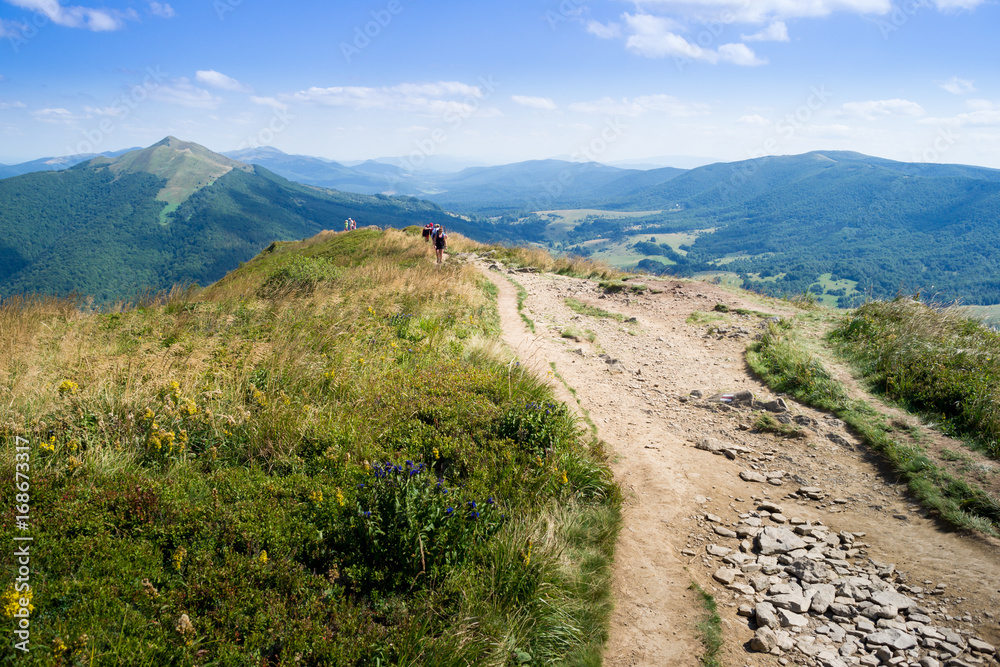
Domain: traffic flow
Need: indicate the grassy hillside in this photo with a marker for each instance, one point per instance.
(174, 213)
(323, 459)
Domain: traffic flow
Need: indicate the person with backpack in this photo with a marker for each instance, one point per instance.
(440, 242)
(428, 229)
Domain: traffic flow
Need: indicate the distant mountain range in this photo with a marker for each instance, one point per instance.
(171, 213)
(838, 224)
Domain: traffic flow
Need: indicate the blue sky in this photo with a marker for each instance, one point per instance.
(495, 82)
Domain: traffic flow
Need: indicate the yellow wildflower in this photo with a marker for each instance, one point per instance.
(263, 557)
(316, 497)
(565, 480)
(437, 454)
(178, 558)
(340, 498)
(12, 600)
(68, 387)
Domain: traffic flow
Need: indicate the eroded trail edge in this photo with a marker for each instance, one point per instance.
(697, 515)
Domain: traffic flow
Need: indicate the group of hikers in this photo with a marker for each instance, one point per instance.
(434, 233)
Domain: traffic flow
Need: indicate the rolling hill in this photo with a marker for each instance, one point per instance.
(172, 213)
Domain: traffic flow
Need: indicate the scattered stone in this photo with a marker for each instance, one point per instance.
(764, 640)
(723, 531)
(725, 575)
(778, 540)
(752, 476)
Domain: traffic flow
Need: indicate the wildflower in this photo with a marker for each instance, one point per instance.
(366, 514)
(450, 509)
(437, 454)
(12, 599)
(263, 557)
(49, 446)
(340, 498)
(527, 556)
(489, 501)
(474, 515)
(73, 445)
(565, 480)
(316, 497)
(68, 387)
(178, 558)
(472, 504)
(74, 463)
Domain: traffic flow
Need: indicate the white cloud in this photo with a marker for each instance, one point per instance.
(664, 104)
(163, 10)
(776, 32)
(57, 116)
(656, 37)
(873, 109)
(11, 105)
(984, 113)
(543, 103)
(97, 20)
(429, 98)
(182, 93)
(221, 81)
(765, 11)
(609, 31)
(269, 102)
(957, 86)
(754, 119)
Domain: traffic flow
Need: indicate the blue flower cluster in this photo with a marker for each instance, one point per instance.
(388, 469)
(548, 407)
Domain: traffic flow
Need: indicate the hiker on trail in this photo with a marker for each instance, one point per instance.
(347, 224)
(440, 242)
(428, 229)
(354, 225)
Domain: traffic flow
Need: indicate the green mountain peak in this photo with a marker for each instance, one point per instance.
(187, 167)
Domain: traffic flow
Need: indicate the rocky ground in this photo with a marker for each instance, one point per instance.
(815, 555)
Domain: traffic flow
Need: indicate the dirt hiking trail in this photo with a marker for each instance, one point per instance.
(634, 378)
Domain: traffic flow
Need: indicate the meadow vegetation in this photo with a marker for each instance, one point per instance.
(323, 459)
(922, 357)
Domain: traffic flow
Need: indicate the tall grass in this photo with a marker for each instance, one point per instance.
(317, 460)
(783, 364)
(937, 361)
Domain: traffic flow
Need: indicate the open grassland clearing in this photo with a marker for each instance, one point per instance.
(322, 459)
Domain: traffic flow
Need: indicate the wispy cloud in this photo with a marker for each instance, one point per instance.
(873, 109)
(765, 11)
(183, 93)
(775, 32)
(957, 86)
(57, 116)
(163, 10)
(428, 98)
(754, 119)
(604, 31)
(272, 102)
(11, 105)
(543, 103)
(663, 104)
(97, 20)
(220, 81)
